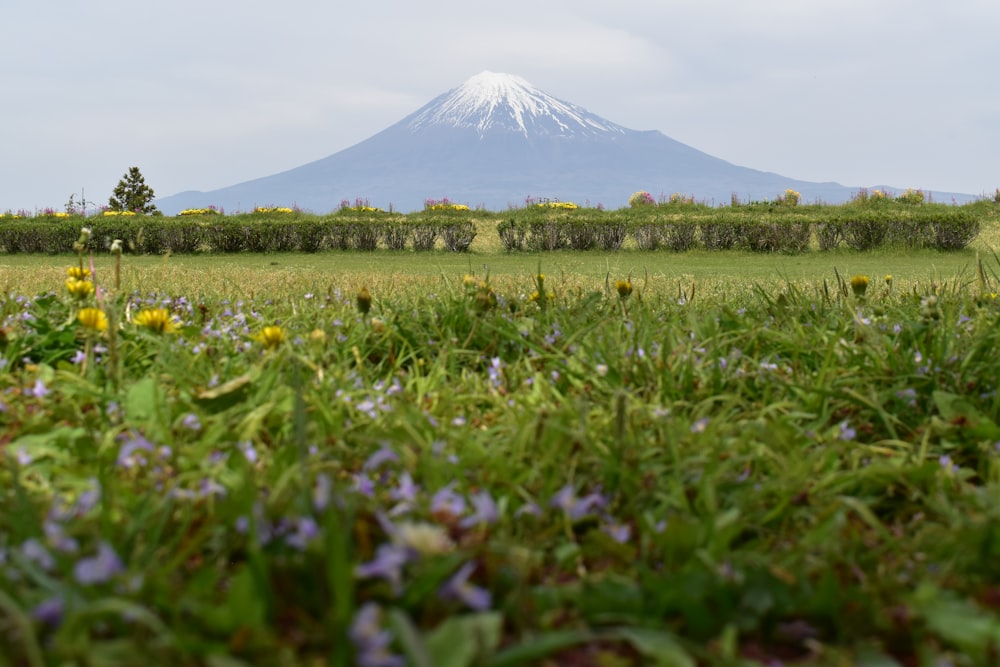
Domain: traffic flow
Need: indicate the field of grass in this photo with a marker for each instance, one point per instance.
(440, 459)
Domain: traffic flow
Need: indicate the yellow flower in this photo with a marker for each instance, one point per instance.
(271, 337)
(78, 273)
(79, 289)
(157, 320)
(859, 284)
(93, 318)
(624, 288)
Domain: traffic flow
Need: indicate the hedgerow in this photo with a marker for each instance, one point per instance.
(765, 227)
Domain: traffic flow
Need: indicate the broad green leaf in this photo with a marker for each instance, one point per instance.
(140, 402)
(661, 647)
(538, 647)
(462, 640)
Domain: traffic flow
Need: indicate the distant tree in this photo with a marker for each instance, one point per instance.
(132, 194)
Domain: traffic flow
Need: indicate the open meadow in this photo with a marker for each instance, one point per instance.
(488, 458)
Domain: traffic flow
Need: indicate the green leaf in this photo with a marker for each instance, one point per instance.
(538, 647)
(409, 638)
(961, 413)
(225, 395)
(140, 403)
(461, 640)
(661, 647)
(246, 604)
(959, 622)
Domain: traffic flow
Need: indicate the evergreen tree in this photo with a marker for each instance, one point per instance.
(132, 194)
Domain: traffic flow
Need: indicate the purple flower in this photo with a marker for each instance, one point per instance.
(306, 531)
(39, 390)
(528, 508)
(79, 357)
(405, 493)
(131, 453)
(846, 432)
(49, 611)
(322, 492)
(191, 422)
(371, 642)
(700, 425)
(88, 499)
(383, 455)
(577, 508)
(484, 510)
(57, 537)
(619, 532)
(364, 485)
(248, 451)
(947, 464)
(99, 568)
(388, 564)
(446, 501)
(34, 551)
(459, 589)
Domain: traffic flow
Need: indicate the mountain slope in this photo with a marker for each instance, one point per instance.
(494, 141)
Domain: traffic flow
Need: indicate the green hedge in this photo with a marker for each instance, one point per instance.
(754, 227)
(235, 234)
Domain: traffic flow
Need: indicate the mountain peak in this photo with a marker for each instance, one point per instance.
(491, 101)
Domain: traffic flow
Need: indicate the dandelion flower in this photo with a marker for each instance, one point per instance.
(78, 273)
(157, 320)
(79, 289)
(624, 288)
(271, 337)
(93, 318)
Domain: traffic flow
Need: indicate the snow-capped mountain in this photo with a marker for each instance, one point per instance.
(490, 102)
(495, 141)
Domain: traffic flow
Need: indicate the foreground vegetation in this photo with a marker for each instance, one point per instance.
(604, 469)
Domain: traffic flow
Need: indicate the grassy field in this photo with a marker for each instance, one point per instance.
(438, 459)
(385, 271)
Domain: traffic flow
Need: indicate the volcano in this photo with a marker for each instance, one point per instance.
(494, 142)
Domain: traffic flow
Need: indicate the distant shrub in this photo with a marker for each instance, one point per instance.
(910, 196)
(789, 198)
(641, 198)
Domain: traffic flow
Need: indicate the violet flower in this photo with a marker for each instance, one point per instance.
(131, 453)
(383, 455)
(446, 501)
(459, 589)
(484, 510)
(99, 568)
(388, 564)
(371, 642)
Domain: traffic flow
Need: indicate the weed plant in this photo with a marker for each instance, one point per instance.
(487, 471)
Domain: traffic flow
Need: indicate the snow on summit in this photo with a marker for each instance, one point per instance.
(491, 101)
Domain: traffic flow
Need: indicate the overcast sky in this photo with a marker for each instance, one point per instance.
(201, 95)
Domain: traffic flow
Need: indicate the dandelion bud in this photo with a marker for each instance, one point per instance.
(116, 247)
(364, 300)
(624, 288)
(860, 285)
